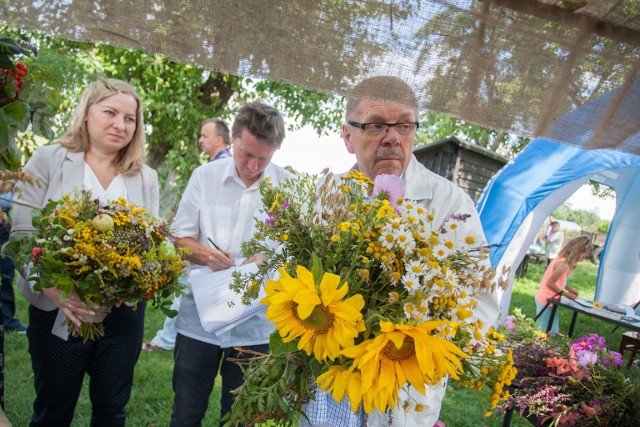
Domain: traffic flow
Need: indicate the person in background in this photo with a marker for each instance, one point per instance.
(554, 281)
(219, 205)
(7, 273)
(101, 151)
(381, 135)
(214, 140)
(553, 241)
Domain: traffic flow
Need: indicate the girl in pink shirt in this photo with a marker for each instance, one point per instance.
(554, 281)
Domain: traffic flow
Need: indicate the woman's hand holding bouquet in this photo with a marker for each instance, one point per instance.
(88, 256)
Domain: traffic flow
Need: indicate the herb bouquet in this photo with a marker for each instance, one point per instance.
(106, 253)
(372, 297)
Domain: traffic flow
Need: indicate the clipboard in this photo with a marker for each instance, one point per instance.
(218, 306)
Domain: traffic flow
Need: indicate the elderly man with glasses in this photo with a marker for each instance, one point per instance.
(380, 128)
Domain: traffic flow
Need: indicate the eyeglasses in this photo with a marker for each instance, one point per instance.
(379, 129)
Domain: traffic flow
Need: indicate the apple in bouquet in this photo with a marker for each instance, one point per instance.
(166, 249)
(102, 222)
(36, 253)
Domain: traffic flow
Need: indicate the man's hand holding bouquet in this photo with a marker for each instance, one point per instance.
(372, 297)
(105, 253)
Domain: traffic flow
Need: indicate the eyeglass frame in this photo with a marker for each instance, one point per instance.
(388, 125)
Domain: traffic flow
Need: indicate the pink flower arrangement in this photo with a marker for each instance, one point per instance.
(561, 382)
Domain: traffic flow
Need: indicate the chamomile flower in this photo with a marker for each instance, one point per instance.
(411, 282)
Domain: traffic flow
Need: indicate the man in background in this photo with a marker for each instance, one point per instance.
(553, 241)
(214, 139)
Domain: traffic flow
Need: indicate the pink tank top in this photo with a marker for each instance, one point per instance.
(545, 292)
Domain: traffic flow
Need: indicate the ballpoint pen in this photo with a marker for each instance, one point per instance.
(218, 248)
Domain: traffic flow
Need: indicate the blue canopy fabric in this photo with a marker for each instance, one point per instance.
(518, 199)
(522, 194)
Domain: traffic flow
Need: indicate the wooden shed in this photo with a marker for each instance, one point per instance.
(469, 166)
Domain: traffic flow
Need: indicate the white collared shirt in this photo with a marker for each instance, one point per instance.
(115, 190)
(218, 205)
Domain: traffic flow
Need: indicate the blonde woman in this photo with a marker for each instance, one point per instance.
(102, 151)
(554, 281)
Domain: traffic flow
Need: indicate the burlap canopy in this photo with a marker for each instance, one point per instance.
(505, 64)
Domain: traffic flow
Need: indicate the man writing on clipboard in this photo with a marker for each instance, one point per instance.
(217, 210)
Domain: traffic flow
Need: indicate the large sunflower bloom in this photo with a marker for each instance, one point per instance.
(401, 354)
(324, 323)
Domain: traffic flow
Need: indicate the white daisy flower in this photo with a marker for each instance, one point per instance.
(442, 251)
(411, 282)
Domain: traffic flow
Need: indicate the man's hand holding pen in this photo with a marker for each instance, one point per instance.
(219, 259)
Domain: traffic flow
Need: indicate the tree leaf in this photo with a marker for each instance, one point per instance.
(9, 88)
(4, 132)
(16, 112)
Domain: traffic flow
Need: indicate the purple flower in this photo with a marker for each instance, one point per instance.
(592, 342)
(586, 358)
(285, 204)
(389, 187)
(612, 358)
(510, 324)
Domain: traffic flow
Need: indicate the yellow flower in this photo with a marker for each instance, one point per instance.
(284, 237)
(400, 354)
(322, 321)
(344, 226)
(339, 380)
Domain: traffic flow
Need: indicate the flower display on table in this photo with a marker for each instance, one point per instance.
(562, 382)
(107, 253)
(372, 297)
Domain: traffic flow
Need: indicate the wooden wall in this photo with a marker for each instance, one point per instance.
(467, 165)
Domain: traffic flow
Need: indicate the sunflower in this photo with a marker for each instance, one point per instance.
(339, 380)
(323, 322)
(401, 354)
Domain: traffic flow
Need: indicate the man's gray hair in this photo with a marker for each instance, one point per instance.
(381, 88)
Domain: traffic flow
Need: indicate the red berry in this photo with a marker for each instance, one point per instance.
(36, 251)
(150, 295)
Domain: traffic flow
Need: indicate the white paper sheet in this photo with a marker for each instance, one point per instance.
(218, 306)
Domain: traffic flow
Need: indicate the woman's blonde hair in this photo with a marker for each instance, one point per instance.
(577, 250)
(130, 159)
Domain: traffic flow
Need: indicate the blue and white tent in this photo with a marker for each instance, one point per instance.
(524, 192)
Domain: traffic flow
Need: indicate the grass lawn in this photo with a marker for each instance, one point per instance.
(152, 396)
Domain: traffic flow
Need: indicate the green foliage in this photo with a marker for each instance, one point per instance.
(436, 126)
(177, 98)
(588, 220)
(272, 387)
(28, 83)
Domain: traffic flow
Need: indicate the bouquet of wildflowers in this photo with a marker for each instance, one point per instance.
(561, 382)
(372, 297)
(106, 253)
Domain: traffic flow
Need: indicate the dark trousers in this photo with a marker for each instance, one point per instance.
(7, 273)
(195, 367)
(59, 367)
